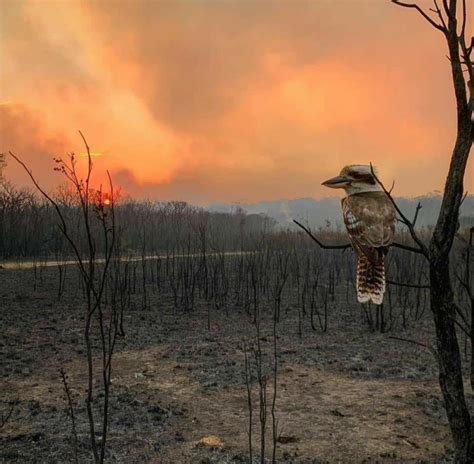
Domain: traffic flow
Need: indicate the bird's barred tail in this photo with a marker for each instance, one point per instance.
(370, 280)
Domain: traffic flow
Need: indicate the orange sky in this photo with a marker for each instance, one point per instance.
(233, 100)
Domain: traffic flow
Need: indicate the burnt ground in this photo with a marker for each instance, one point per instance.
(349, 395)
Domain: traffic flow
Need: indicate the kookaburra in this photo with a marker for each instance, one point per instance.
(370, 221)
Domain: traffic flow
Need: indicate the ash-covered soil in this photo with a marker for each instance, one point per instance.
(178, 394)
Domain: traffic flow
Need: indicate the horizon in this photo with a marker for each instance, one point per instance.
(124, 195)
(315, 211)
(211, 119)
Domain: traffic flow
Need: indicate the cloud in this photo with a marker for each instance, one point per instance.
(206, 101)
(22, 132)
(192, 62)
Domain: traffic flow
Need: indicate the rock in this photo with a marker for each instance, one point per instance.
(287, 439)
(336, 413)
(211, 441)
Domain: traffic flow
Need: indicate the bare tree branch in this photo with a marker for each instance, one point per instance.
(430, 348)
(440, 15)
(406, 248)
(5, 417)
(422, 12)
(348, 245)
(418, 207)
(408, 340)
(410, 225)
(62, 225)
(322, 245)
(401, 284)
(464, 18)
(447, 10)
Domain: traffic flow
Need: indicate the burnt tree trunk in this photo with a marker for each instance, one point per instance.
(442, 297)
(449, 360)
(443, 304)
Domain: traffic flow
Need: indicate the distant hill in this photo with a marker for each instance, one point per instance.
(327, 211)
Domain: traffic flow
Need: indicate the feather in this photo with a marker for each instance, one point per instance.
(370, 221)
(370, 280)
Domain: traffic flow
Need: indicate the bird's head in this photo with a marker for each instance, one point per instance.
(355, 178)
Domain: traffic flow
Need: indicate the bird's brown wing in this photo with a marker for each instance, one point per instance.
(370, 222)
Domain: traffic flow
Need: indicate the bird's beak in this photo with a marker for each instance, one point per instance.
(337, 182)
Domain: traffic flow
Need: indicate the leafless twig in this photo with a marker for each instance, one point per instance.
(70, 406)
(415, 342)
(422, 12)
(322, 245)
(410, 225)
(6, 417)
(401, 284)
(348, 245)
